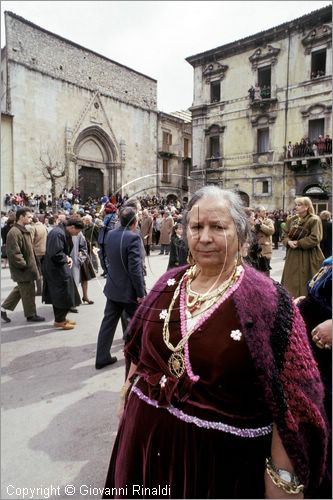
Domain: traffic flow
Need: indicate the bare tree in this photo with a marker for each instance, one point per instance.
(53, 165)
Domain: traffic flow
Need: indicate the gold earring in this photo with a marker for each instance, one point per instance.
(239, 259)
(190, 259)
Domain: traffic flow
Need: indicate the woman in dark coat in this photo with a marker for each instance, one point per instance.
(326, 242)
(59, 285)
(178, 247)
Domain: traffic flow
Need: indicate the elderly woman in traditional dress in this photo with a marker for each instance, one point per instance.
(302, 236)
(223, 398)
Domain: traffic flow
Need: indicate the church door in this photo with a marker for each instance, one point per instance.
(91, 183)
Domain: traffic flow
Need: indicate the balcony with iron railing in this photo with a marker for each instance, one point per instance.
(261, 97)
(214, 163)
(316, 153)
(169, 150)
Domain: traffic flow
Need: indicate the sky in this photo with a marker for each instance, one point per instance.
(155, 37)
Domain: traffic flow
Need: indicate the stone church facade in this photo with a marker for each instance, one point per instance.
(241, 142)
(95, 117)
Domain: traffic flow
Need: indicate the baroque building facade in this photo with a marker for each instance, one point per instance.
(84, 114)
(255, 99)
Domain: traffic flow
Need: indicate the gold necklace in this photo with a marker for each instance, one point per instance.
(207, 298)
(176, 362)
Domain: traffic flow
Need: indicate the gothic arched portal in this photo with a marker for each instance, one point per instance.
(96, 163)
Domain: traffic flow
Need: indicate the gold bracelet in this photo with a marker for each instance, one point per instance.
(123, 391)
(292, 488)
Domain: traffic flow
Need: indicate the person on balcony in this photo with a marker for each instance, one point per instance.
(251, 92)
(328, 144)
(321, 145)
(257, 92)
(290, 150)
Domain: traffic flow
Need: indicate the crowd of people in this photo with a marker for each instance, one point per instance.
(226, 370)
(317, 147)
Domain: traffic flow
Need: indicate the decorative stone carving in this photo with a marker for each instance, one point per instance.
(318, 36)
(214, 71)
(215, 129)
(94, 113)
(267, 55)
(264, 119)
(316, 110)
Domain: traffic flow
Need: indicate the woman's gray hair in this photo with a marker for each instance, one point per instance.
(234, 203)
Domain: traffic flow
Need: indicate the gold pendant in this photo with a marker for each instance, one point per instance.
(176, 364)
(188, 314)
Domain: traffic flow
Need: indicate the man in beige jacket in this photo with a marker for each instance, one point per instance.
(39, 235)
(264, 227)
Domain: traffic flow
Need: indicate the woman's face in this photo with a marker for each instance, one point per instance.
(301, 209)
(211, 235)
(179, 230)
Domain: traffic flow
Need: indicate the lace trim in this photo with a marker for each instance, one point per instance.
(206, 424)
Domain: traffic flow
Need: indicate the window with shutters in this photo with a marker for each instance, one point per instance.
(167, 141)
(186, 148)
(165, 172)
(263, 140)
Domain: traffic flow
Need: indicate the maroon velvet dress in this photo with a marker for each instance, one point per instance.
(196, 439)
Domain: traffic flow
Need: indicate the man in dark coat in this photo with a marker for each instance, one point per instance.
(124, 287)
(23, 267)
(59, 286)
(326, 242)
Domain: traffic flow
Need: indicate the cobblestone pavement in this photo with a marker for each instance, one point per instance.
(58, 413)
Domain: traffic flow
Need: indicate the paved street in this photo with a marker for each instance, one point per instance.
(58, 412)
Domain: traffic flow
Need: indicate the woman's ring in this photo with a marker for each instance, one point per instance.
(320, 344)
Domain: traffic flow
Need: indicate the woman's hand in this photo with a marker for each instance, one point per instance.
(322, 335)
(293, 244)
(298, 299)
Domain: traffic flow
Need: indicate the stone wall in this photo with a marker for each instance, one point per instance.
(59, 58)
(54, 107)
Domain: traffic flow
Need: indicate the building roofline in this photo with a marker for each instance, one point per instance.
(29, 23)
(243, 44)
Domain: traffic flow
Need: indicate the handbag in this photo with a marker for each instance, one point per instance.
(297, 233)
(87, 271)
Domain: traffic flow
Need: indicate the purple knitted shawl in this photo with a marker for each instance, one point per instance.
(276, 337)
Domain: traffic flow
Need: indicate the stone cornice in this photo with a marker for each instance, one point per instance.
(262, 38)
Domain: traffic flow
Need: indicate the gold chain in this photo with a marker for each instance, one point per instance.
(290, 488)
(209, 297)
(166, 332)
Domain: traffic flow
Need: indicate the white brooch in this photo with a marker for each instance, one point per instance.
(163, 381)
(236, 334)
(171, 281)
(163, 314)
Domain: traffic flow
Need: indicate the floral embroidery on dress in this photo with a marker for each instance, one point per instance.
(171, 281)
(163, 381)
(236, 334)
(163, 314)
